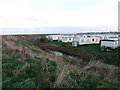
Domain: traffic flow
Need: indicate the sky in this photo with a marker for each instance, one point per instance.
(58, 13)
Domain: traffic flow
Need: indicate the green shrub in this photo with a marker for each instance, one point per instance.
(90, 82)
(109, 84)
(68, 44)
(43, 39)
(42, 47)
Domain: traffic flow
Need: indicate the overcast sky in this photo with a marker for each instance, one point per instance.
(58, 13)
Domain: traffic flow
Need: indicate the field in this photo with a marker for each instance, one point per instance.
(29, 62)
(89, 48)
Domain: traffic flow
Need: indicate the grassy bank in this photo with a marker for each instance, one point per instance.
(89, 48)
(89, 52)
(34, 67)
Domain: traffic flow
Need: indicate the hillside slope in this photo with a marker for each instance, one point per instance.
(26, 65)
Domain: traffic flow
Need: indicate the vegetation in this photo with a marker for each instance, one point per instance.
(28, 74)
(66, 44)
(85, 80)
(88, 52)
(55, 43)
(30, 64)
(43, 39)
(89, 48)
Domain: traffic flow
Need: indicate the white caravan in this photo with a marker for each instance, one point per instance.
(85, 40)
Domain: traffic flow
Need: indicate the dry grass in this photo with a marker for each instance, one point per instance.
(62, 66)
(61, 76)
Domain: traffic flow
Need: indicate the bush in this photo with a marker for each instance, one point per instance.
(66, 44)
(43, 39)
(90, 82)
(42, 47)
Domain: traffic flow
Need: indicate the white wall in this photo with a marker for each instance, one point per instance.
(53, 37)
(67, 39)
(110, 44)
(87, 40)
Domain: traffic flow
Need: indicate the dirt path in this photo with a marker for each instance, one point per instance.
(61, 76)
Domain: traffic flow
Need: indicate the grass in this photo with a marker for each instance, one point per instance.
(30, 75)
(77, 79)
(89, 48)
(55, 43)
(21, 43)
(42, 73)
(106, 65)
